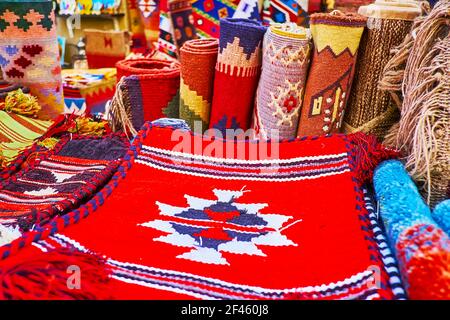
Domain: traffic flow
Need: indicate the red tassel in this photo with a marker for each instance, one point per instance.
(369, 153)
(61, 124)
(62, 274)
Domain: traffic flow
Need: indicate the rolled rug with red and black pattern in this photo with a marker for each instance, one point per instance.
(237, 72)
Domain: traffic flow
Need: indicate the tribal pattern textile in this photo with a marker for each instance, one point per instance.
(204, 234)
(71, 173)
(208, 13)
(282, 11)
(17, 133)
(180, 12)
(166, 44)
(136, 27)
(198, 60)
(151, 89)
(237, 71)
(105, 48)
(421, 246)
(29, 53)
(286, 51)
(370, 109)
(336, 39)
(149, 13)
(248, 9)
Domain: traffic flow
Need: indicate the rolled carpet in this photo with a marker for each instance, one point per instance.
(29, 53)
(237, 73)
(336, 39)
(148, 90)
(370, 109)
(198, 59)
(286, 50)
(422, 248)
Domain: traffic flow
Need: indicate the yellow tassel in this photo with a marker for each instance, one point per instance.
(48, 143)
(21, 103)
(85, 125)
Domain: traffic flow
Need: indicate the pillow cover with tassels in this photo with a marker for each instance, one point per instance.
(180, 219)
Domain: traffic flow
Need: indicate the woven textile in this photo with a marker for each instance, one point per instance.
(208, 13)
(349, 5)
(336, 39)
(422, 248)
(136, 27)
(29, 51)
(149, 13)
(198, 60)
(282, 11)
(199, 238)
(18, 133)
(286, 51)
(370, 109)
(59, 182)
(165, 41)
(105, 48)
(180, 12)
(248, 9)
(418, 78)
(151, 89)
(237, 71)
(6, 87)
(441, 214)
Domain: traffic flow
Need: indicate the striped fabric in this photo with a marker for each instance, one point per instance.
(18, 133)
(60, 180)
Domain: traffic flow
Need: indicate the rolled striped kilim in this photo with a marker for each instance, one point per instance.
(336, 39)
(198, 59)
(29, 53)
(370, 109)
(237, 73)
(286, 50)
(148, 90)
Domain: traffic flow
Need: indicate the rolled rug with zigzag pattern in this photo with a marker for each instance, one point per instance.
(29, 53)
(336, 39)
(286, 50)
(237, 73)
(198, 59)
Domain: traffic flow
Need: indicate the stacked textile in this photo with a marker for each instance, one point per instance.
(336, 39)
(29, 52)
(60, 180)
(198, 60)
(17, 133)
(369, 109)
(203, 236)
(286, 51)
(421, 246)
(87, 91)
(237, 71)
(148, 89)
(105, 47)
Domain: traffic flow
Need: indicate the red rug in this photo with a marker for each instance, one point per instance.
(176, 223)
